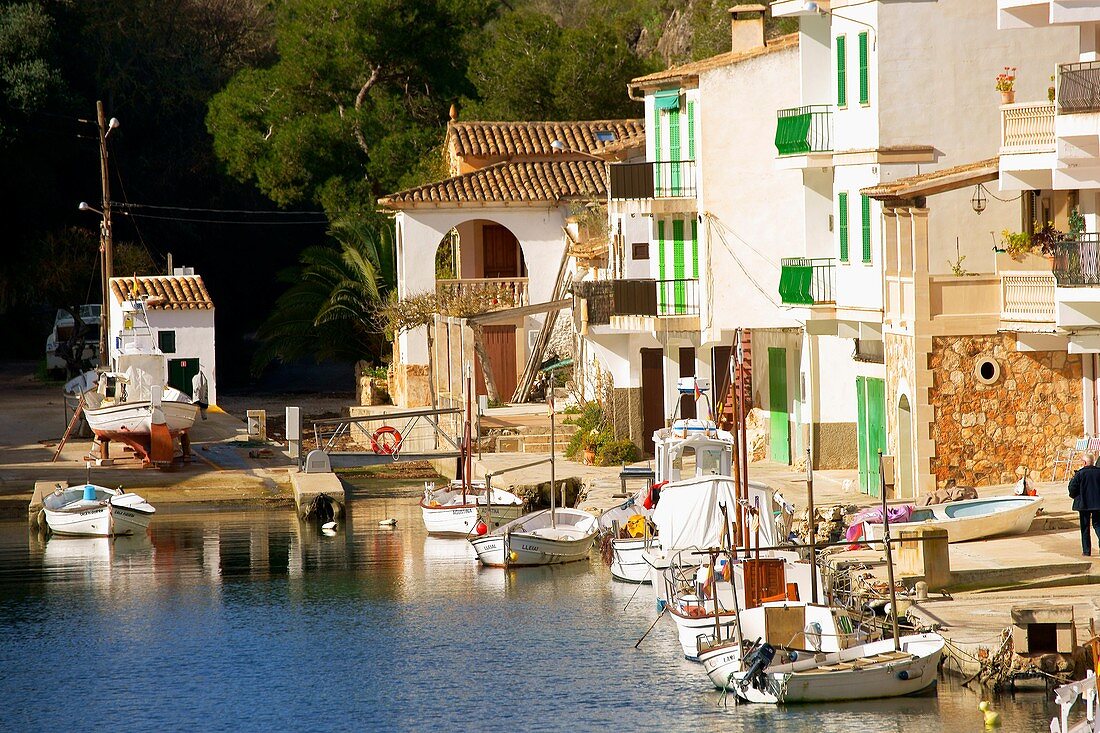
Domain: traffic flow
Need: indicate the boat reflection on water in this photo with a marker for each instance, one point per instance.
(97, 560)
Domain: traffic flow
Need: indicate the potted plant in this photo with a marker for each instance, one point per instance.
(589, 443)
(1016, 244)
(1050, 90)
(1006, 85)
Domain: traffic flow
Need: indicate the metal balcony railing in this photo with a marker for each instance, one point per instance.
(1079, 87)
(807, 280)
(677, 297)
(666, 179)
(802, 130)
(1027, 128)
(1077, 260)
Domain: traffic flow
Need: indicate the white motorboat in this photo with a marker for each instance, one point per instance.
(809, 653)
(452, 510)
(63, 326)
(969, 519)
(96, 511)
(546, 537)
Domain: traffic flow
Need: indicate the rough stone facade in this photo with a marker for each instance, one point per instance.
(836, 446)
(991, 433)
(626, 415)
(901, 365)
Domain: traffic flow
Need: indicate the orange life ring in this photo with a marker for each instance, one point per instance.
(385, 440)
(695, 611)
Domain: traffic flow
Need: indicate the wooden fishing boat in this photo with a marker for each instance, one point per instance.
(546, 537)
(96, 511)
(969, 519)
(452, 511)
(800, 652)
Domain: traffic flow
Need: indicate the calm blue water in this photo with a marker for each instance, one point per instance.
(248, 621)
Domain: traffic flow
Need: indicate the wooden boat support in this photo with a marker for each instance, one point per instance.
(407, 435)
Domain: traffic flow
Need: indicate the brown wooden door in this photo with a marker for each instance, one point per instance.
(688, 408)
(653, 395)
(500, 345)
(765, 580)
(501, 251)
(720, 381)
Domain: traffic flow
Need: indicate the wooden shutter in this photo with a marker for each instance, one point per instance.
(841, 71)
(691, 130)
(656, 147)
(864, 77)
(866, 222)
(674, 152)
(842, 204)
(678, 262)
(661, 265)
(695, 248)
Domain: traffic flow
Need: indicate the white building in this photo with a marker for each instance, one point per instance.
(181, 317)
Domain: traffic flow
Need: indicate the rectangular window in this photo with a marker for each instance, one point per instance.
(674, 153)
(691, 130)
(678, 261)
(866, 222)
(661, 261)
(166, 340)
(842, 205)
(656, 148)
(639, 250)
(864, 77)
(695, 247)
(841, 71)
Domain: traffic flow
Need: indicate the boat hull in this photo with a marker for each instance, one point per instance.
(531, 540)
(461, 521)
(112, 514)
(963, 522)
(136, 418)
(628, 562)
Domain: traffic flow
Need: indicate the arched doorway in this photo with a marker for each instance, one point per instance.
(905, 448)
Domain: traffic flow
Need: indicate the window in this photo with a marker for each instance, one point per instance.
(605, 136)
(639, 250)
(987, 370)
(866, 222)
(166, 340)
(842, 204)
(691, 130)
(841, 71)
(864, 77)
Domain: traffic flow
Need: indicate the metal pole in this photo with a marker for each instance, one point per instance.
(742, 448)
(889, 554)
(813, 525)
(106, 236)
(736, 456)
(553, 477)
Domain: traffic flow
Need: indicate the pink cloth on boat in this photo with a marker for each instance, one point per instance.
(873, 515)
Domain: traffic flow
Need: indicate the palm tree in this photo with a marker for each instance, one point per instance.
(330, 309)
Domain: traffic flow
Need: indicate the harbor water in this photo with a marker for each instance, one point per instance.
(247, 620)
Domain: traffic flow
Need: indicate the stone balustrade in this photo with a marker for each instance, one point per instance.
(1027, 127)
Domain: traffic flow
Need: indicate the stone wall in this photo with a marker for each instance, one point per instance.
(900, 365)
(988, 433)
(836, 446)
(626, 415)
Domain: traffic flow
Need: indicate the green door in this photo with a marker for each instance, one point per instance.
(871, 427)
(180, 372)
(777, 404)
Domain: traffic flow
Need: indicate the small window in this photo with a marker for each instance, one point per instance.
(166, 340)
(987, 370)
(605, 136)
(640, 250)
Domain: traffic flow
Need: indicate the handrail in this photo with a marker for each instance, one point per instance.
(387, 416)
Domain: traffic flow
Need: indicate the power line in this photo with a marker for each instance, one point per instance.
(223, 221)
(128, 205)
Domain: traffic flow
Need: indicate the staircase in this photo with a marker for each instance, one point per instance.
(726, 408)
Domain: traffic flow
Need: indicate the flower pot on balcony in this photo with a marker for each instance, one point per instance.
(1008, 97)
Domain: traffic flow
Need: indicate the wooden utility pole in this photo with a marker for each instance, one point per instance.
(106, 236)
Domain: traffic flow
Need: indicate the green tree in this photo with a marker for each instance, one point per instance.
(330, 309)
(28, 75)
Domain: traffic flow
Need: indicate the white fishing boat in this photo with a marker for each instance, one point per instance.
(546, 537)
(96, 511)
(969, 519)
(629, 527)
(798, 652)
(452, 510)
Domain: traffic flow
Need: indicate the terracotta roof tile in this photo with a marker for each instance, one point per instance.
(533, 181)
(167, 292)
(520, 139)
(937, 181)
(694, 68)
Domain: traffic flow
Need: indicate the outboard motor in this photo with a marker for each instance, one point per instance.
(758, 661)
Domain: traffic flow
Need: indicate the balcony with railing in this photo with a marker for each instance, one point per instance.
(678, 297)
(624, 304)
(1078, 87)
(653, 180)
(1028, 297)
(1027, 128)
(807, 280)
(804, 130)
(1077, 261)
(498, 292)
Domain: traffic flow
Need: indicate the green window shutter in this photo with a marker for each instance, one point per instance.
(674, 150)
(841, 71)
(691, 130)
(166, 341)
(842, 205)
(678, 262)
(661, 264)
(864, 77)
(695, 247)
(656, 148)
(866, 206)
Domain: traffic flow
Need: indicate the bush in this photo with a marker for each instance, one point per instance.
(616, 452)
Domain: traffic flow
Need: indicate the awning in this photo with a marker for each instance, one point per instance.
(667, 99)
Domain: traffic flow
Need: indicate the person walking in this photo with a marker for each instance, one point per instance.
(199, 392)
(1084, 489)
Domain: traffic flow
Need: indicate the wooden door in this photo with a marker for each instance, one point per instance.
(653, 395)
(180, 373)
(871, 429)
(720, 384)
(501, 252)
(765, 580)
(500, 345)
(688, 407)
(777, 406)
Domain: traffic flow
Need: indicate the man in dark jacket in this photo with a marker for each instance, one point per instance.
(1084, 489)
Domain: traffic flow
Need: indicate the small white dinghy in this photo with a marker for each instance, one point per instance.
(546, 537)
(969, 519)
(96, 511)
(450, 511)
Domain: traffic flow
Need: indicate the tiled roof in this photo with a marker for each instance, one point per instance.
(167, 292)
(534, 181)
(635, 141)
(693, 69)
(524, 139)
(938, 181)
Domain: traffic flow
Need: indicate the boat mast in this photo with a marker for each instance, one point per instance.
(889, 554)
(106, 235)
(466, 441)
(736, 453)
(742, 448)
(813, 525)
(550, 406)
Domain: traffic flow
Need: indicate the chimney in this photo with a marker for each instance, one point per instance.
(747, 27)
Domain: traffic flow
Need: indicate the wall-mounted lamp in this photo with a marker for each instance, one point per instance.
(978, 201)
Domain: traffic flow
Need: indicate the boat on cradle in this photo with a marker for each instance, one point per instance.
(969, 519)
(96, 511)
(450, 510)
(546, 537)
(800, 652)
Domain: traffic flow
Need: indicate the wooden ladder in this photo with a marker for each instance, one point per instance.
(68, 431)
